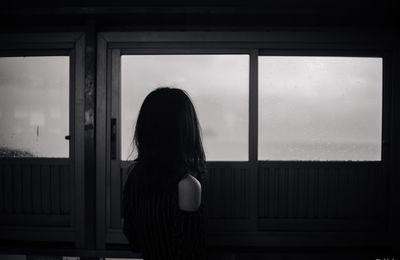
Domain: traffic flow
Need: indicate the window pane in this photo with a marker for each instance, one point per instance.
(320, 108)
(34, 106)
(217, 84)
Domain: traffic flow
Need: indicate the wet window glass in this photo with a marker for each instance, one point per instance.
(34, 106)
(217, 84)
(320, 108)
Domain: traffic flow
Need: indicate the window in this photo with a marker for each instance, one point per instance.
(320, 108)
(217, 84)
(34, 106)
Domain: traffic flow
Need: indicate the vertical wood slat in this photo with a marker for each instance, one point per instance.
(214, 194)
(321, 193)
(330, 198)
(371, 194)
(311, 195)
(289, 178)
(226, 202)
(55, 192)
(26, 189)
(302, 207)
(8, 180)
(275, 193)
(219, 206)
(66, 186)
(221, 195)
(17, 189)
(278, 194)
(326, 174)
(45, 189)
(224, 188)
(237, 196)
(209, 194)
(63, 194)
(1, 189)
(232, 190)
(341, 193)
(354, 190)
(36, 189)
(269, 178)
(245, 186)
(271, 190)
(242, 187)
(261, 193)
(297, 198)
(362, 177)
(380, 207)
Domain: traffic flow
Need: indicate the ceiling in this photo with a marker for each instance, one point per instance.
(207, 13)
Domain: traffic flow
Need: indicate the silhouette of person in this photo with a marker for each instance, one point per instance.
(163, 208)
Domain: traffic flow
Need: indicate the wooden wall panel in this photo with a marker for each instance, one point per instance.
(321, 196)
(292, 196)
(35, 192)
(228, 193)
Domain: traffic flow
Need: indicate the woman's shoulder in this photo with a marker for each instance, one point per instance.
(189, 192)
(189, 181)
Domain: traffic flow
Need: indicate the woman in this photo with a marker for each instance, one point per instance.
(163, 209)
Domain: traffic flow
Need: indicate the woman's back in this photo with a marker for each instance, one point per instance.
(153, 222)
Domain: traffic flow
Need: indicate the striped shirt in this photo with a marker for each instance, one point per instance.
(155, 226)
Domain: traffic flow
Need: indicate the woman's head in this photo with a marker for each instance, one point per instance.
(168, 132)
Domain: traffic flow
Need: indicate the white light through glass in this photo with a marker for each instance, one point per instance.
(34, 106)
(217, 84)
(320, 108)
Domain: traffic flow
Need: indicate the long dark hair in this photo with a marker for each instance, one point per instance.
(168, 135)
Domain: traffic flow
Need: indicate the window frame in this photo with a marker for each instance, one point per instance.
(188, 51)
(254, 53)
(70, 44)
(71, 91)
(385, 55)
(112, 44)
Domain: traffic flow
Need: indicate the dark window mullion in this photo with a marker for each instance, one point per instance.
(253, 107)
(253, 137)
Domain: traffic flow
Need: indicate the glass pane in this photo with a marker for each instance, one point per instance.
(217, 84)
(320, 108)
(34, 106)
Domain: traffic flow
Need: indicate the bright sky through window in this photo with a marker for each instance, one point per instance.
(320, 108)
(34, 106)
(217, 84)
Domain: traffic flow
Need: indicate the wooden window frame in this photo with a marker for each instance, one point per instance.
(70, 44)
(296, 43)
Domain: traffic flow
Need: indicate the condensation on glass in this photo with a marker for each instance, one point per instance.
(217, 84)
(34, 106)
(320, 108)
